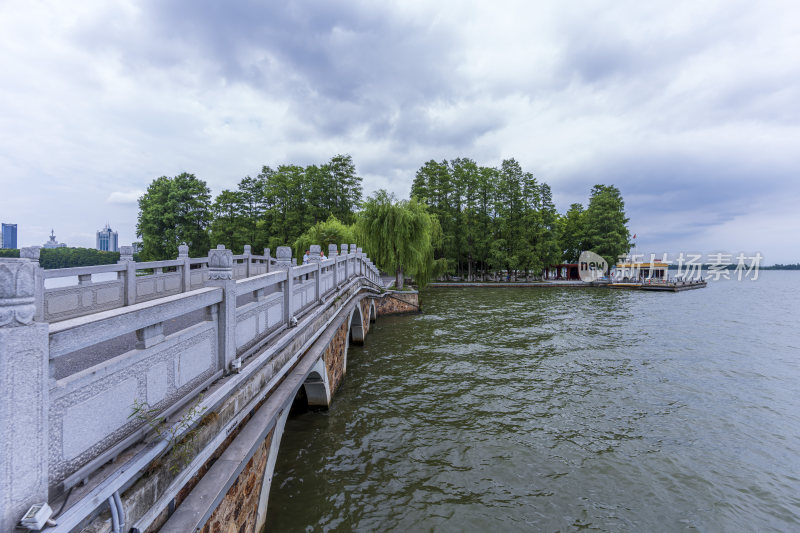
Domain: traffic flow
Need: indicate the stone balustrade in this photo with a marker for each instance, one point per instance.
(156, 333)
(80, 291)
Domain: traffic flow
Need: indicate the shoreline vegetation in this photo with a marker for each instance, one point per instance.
(68, 257)
(461, 219)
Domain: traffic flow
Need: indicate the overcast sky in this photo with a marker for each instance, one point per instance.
(692, 108)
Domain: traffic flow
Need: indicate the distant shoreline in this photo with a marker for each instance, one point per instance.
(515, 284)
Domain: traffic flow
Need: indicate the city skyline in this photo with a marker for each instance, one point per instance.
(690, 110)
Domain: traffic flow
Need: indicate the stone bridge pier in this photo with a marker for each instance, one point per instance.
(213, 351)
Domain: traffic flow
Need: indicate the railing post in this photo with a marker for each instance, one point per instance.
(220, 274)
(315, 251)
(24, 393)
(354, 266)
(267, 258)
(361, 267)
(333, 252)
(247, 258)
(129, 274)
(32, 253)
(183, 254)
(344, 254)
(283, 261)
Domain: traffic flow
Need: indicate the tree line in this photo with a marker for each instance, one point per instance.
(503, 219)
(461, 219)
(272, 209)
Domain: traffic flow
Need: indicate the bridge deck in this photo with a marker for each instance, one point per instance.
(156, 339)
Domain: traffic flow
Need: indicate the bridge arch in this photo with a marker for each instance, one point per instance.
(356, 329)
(317, 386)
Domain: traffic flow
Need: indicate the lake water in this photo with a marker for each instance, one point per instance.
(560, 410)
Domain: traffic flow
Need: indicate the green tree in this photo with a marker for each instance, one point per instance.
(486, 215)
(251, 207)
(230, 226)
(331, 231)
(466, 177)
(433, 184)
(399, 236)
(173, 211)
(606, 232)
(285, 192)
(547, 247)
(511, 243)
(572, 234)
(533, 228)
(344, 193)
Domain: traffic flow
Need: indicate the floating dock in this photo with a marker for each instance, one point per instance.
(674, 286)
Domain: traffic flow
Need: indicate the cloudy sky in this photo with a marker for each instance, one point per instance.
(691, 108)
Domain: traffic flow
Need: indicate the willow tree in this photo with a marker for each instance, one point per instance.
(399, 236)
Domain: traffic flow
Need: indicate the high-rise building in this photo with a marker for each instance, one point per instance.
(8, 236)
(107, 240)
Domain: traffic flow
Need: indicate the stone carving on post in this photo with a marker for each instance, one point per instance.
(220, 263)
(17, 292)
(24, 389)
(333, 251)
(283, 258)
(352, 248)
(30, 252)
(183, 251)
(344, 249)
(126, 254)
(314, 251)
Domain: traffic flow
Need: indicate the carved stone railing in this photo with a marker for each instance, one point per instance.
(81, 292)
(156, 335)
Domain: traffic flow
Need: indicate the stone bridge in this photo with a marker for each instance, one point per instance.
(152, 396)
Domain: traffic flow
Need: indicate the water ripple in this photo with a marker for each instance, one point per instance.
(559, 410)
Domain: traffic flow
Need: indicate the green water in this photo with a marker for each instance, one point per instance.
(560, 410)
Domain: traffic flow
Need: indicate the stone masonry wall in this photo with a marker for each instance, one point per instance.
(395, 303)
(237, 512)
(365, 305)
(334, 357)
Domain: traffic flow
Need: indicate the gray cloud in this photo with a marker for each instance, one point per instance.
(690, 109)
